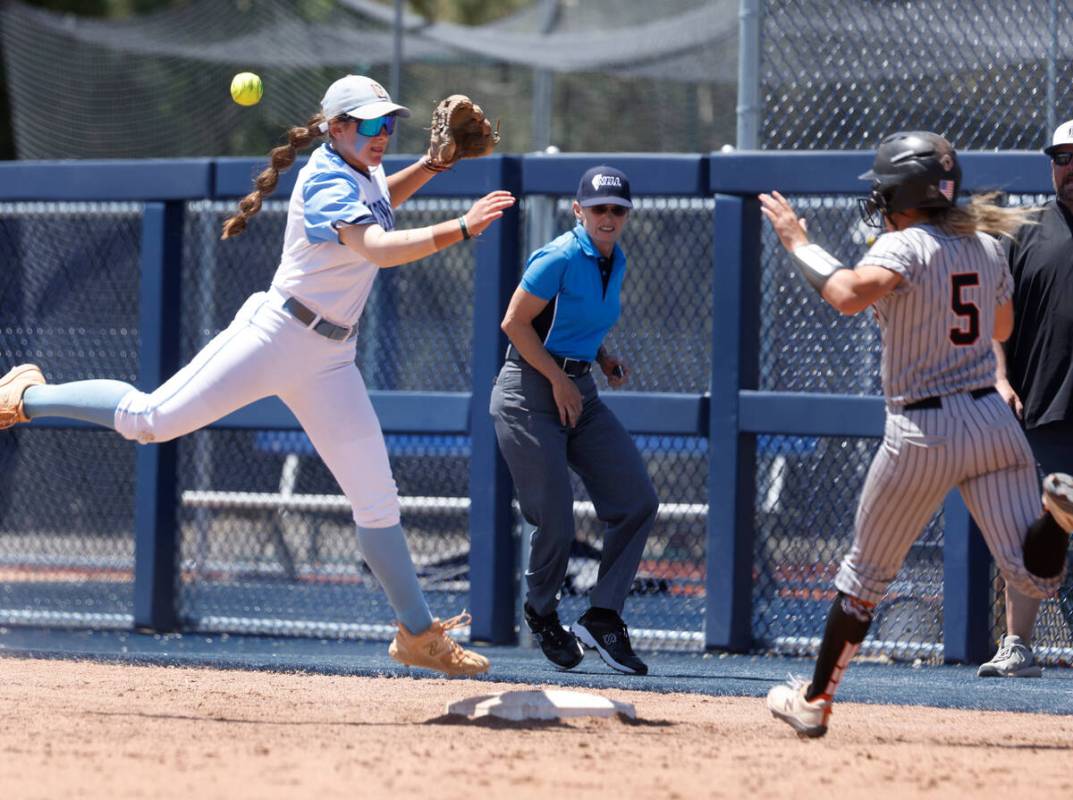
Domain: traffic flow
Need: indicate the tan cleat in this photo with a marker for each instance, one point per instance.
(12, 387)
(1058, 499)
(434, 649)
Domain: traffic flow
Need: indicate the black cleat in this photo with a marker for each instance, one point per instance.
(559, 645)
(604, 631)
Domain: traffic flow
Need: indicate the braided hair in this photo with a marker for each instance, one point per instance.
(280, 159)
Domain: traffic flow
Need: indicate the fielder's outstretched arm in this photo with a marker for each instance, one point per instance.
(394, 248)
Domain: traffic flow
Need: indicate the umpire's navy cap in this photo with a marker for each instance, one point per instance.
(604, 186)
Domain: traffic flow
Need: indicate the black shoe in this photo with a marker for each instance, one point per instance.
(605, 631)
(559, 645)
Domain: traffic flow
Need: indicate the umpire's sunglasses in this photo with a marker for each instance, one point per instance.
(372, 127)
(618, 211)
(1062, 159)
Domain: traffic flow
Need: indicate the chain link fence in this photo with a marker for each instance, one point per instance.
(69, 301)
(987, 74)
(267, 542)
(598, 76)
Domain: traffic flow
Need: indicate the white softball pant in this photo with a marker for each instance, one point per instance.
(264, 352)
(974, 444)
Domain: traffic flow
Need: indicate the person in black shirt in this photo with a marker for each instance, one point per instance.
(1035, 367)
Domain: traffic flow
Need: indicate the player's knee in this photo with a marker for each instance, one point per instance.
(1013, 569)
(556, 520)
(1031, 586)
(1045, 547)
(137, 419)
(865, 583)
(381, 513)
(647, 503)
(641, 511)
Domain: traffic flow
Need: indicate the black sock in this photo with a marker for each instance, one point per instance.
(847, 625)
(1045, 547)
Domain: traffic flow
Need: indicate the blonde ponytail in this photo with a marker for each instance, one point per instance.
(983, 214)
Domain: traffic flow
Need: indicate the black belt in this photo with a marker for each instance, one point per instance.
(937, 402)
(574, 367)
(307, 317)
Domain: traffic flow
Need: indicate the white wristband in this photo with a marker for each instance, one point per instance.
(816, 264)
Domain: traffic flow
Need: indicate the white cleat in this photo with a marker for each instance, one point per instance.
(1058, 499)
(1014, 659)
(787, 702)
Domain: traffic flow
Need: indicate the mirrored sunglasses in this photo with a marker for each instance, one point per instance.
(618, 211)
(372, 127)
(1062, 159)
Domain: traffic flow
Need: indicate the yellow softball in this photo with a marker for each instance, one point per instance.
(247, 88)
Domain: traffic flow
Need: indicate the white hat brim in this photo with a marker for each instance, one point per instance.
(1063, 135)
(377, 109)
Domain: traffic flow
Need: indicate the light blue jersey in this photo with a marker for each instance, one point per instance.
(580, 311)
(316, 267)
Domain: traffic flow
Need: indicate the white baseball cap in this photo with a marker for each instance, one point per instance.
(1063, 134)
(359, 97)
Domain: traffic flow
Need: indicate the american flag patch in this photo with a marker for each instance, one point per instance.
(946, 189)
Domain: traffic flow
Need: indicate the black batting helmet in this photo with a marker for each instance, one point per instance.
(912, 169)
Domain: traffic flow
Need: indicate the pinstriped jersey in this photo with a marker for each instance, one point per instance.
(936, 325)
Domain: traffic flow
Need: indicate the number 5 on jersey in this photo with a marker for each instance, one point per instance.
(969, 330)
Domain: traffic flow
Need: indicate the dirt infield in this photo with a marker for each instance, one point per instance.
(76, 729)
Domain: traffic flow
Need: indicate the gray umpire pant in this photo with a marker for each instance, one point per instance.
(540, 451)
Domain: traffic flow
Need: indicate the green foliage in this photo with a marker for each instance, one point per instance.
(105, 8)
(465, 12)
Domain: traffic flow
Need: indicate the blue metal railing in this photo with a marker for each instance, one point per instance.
(731, 416)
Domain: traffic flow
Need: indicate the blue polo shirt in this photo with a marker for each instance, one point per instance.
(566, 273)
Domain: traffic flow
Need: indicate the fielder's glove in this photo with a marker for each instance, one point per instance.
(459, 130)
